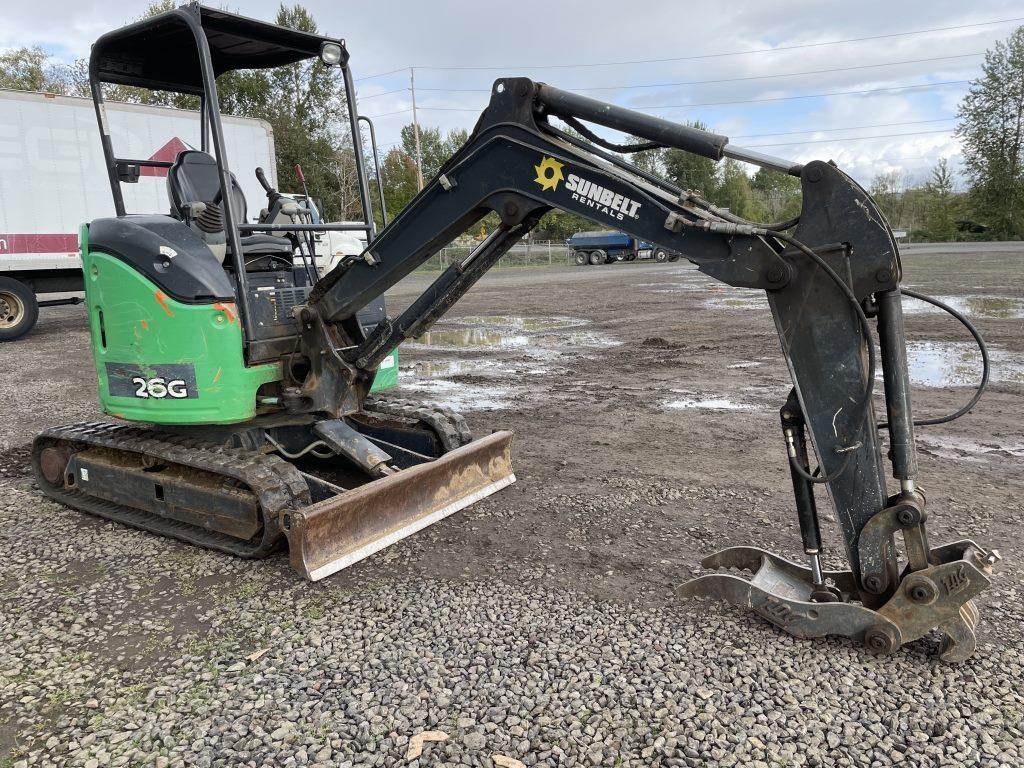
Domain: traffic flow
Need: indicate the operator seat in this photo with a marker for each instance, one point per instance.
(193, 178)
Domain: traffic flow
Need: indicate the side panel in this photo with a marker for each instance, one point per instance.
(164, 362)
(387, 373)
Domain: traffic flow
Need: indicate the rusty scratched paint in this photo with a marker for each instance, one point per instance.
(227, 309)
(161, 299)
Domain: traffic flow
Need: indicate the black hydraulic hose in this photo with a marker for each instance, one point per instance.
(986, 365)
(591, 136)
(618, 162)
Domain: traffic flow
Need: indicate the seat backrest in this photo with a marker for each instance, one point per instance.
(193, 178)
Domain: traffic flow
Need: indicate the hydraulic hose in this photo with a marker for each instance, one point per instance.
(986, 365)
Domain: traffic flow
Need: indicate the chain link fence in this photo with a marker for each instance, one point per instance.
(544, 253)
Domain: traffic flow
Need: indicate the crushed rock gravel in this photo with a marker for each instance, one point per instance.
(118, 649)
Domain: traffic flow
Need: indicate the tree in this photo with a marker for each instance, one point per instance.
(27, 69)
(778, 194)
(435, 148)
(691, 171)
(734, 192)
(941, 205)
(888, 189)
(991, 126)
(399, 171)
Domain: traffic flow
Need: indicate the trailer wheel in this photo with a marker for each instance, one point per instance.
(19, 309)
(598, 257)
(660, 255)
(580, 257)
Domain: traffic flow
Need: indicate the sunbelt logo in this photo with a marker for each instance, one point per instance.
(589, 193)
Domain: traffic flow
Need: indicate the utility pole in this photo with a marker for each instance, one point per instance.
(416, 130)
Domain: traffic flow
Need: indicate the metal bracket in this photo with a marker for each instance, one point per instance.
(906, 514)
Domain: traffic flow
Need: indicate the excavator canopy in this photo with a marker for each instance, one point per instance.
(167, 52)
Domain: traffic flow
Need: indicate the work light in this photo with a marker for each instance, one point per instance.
(330, 53)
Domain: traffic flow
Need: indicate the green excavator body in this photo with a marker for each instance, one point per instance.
(164, 361)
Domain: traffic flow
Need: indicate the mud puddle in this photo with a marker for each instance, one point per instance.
(470, 338)
(965, 449)
(688, 400)
(958, 364)
(737, 298)
(674, 287)
(524, 324)
(502, 332)
(988, 307)
(503, 350)
(486, 367)
(461, 397)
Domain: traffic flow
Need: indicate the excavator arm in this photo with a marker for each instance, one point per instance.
(827, 275)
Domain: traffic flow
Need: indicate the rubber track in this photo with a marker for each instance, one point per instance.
(278, 486)
(450, 426)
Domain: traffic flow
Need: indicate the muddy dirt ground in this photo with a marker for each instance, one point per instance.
(644, 399)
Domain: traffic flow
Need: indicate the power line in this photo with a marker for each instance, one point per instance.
(847, 138)
(381, 74)
(847, 128)
(895, 88)
(401, 111)
(797, 46)
(925, 86)
(384, 93)
(732, 79)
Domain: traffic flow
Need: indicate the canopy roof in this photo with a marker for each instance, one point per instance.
(162, 52)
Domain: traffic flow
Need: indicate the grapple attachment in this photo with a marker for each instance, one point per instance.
(936, 597)
(331, 535)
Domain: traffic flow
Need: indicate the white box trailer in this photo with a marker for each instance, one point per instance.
(52, 180)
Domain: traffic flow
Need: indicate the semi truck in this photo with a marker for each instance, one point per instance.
(53, 178)
(608, 246)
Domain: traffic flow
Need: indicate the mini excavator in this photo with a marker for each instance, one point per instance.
(241, 381)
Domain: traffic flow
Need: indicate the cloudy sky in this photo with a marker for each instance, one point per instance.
(795, 78)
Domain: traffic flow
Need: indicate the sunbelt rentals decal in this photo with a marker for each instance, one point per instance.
(593, 195)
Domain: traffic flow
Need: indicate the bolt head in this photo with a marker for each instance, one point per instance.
(987, 559)
(921, 590)
(883, 275)
(874, 584)
(881, 639)
(907, 516)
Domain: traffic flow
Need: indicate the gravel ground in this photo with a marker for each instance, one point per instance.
(538, 625)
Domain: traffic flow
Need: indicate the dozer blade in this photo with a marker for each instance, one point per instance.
(331, 535)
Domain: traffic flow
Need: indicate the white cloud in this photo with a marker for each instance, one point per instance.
(448, 33)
